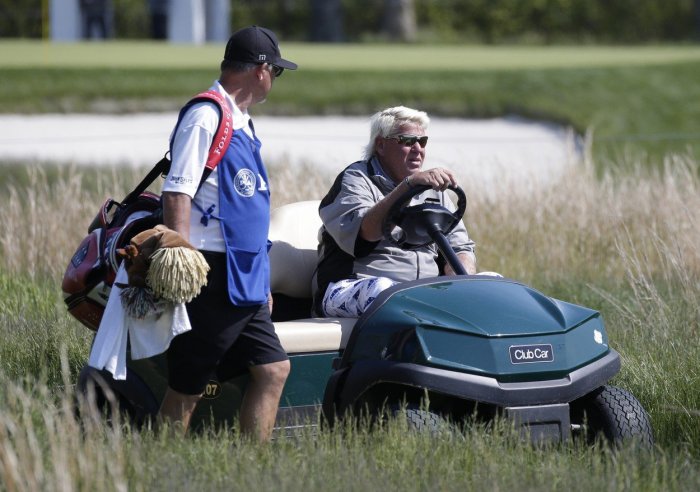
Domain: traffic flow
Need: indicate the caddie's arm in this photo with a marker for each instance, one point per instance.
(176, 212)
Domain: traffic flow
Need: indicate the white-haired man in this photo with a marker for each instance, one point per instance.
(355, 261)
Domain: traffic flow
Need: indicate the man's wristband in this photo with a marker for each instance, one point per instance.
(408, 183)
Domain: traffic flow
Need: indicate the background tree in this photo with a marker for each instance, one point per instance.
(477, 21)
(399, 20)
(326, 21)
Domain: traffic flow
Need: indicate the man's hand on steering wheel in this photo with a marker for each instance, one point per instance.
(437, 178)
(417, 225)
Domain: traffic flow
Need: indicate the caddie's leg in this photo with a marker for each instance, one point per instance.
(261, 399)
(177, 409)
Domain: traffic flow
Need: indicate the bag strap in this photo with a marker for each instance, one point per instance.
(218, 147)
(161, 167)
(224, 132)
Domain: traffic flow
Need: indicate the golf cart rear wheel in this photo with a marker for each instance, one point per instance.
(104, 396)
(612, 413)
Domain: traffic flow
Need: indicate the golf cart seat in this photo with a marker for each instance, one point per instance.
(294, 232)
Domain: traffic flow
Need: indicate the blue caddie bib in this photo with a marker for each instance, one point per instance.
(244, 213)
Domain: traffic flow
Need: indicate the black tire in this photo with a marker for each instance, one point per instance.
(613, 413)
(421, 420)
(131, 398)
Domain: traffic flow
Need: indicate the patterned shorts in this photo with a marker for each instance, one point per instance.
(350, 298)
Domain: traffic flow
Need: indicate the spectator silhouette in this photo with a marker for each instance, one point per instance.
(159, 18)
(94, 14)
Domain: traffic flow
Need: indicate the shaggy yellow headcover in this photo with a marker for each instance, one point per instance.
(177, 274)
(161, 260)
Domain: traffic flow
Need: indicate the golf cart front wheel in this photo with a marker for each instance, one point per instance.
(420, 420)
(613, 413)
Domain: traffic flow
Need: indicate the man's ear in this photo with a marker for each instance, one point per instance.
(259, 69)
(379, 143)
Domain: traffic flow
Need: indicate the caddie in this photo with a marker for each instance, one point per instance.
(227, 219)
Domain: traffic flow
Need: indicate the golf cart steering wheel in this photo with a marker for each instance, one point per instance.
(419, 224)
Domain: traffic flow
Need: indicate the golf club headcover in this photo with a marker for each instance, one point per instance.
(161, 264)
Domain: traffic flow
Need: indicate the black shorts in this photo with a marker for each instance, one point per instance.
(225, 340)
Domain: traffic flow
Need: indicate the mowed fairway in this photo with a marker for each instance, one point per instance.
(340, 57)
(639, 103)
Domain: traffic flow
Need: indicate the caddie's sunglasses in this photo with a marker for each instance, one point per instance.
(410, 140)
(276, 71)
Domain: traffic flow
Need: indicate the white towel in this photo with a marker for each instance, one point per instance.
(149, 336)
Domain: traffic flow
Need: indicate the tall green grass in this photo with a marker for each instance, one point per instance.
(43, 447)
(627, 244)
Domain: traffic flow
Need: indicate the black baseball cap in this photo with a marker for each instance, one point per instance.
(256, 44)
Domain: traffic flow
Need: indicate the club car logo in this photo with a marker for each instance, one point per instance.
(522, 354)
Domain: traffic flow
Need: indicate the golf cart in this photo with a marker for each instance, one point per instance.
(446, 348)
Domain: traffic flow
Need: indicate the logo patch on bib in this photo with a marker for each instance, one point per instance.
(244, 182)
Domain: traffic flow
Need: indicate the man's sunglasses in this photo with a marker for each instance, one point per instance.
(410, 140)
(276, 71)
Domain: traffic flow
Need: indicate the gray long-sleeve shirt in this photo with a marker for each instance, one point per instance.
(344, 254)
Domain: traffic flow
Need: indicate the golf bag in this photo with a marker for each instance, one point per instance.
(92, 269)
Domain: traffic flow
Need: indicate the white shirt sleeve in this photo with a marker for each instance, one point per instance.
(190, 148)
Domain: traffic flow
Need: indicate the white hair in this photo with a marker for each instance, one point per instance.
(385, 123)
